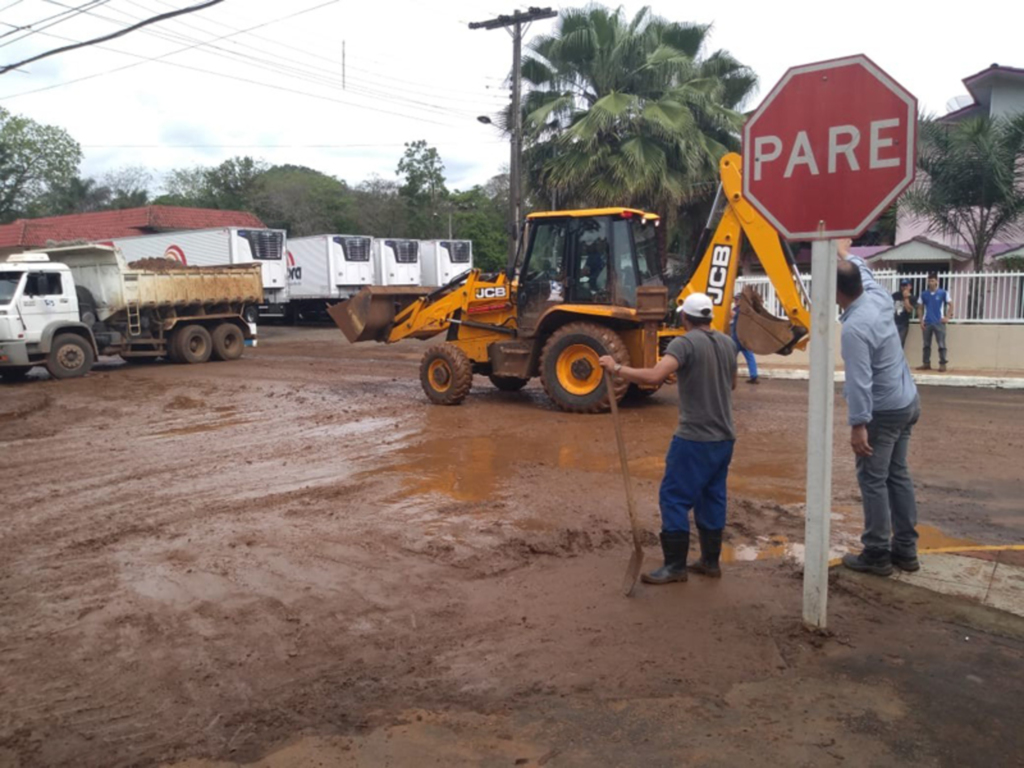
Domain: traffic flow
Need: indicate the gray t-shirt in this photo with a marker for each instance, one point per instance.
(707, 364)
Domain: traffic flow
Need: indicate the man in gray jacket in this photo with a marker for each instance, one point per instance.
(883, 408)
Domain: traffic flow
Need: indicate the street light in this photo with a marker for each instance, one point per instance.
(485, 120)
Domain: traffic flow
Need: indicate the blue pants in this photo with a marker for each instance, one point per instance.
(747, 355)
(695, 475)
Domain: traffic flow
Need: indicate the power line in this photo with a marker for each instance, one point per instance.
(277, 146)
(35, 27)
(120, 33)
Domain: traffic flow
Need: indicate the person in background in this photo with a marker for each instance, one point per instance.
(903, 303)
(883, 407)
(748, 356)
(937, 309)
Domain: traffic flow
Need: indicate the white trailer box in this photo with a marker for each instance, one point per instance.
(329, 266)
(396, 261)
(443, 260)
(218, 247)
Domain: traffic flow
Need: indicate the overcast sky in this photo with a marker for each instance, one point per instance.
(264, 78)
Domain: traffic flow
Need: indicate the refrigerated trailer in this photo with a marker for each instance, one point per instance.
(396, 261)
(325, 268)
(222, 247)
(441, 261)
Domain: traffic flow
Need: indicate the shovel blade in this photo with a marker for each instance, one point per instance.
(636, 562)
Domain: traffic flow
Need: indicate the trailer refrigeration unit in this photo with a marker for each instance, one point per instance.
(222, 247)
(441, 261)
(396, 262)
(326, 268)
(65, 307)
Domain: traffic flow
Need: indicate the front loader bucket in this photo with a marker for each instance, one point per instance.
(369, 315)
(760, 331)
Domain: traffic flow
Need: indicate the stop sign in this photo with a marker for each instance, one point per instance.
(829, 148)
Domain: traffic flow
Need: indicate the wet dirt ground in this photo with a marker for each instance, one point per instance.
(295, 560)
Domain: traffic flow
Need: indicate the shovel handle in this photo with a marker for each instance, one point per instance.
(621, 441)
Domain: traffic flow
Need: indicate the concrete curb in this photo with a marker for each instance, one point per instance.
(923, 379)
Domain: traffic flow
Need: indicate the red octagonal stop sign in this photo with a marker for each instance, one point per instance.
(829, 148)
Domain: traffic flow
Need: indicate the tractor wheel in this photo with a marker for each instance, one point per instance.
(570, 372)
(193, 344)
(508, 383)
(446, 374)
(70, 356)
(228, 342)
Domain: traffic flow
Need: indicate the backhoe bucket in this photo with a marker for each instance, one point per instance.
(760, 331)
(370, 314)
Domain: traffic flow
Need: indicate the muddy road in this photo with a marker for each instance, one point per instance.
(294, 558)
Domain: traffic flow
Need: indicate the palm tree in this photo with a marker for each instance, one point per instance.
(971, 185)
(629, 112)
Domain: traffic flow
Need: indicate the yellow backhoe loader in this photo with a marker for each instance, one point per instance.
(585, 283)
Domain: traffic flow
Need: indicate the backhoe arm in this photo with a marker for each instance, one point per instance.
(758, 330)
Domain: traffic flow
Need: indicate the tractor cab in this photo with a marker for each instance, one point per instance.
(585, 258)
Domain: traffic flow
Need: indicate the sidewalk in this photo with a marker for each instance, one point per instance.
(955, 378)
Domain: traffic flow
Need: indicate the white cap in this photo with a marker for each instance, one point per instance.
(697, 305)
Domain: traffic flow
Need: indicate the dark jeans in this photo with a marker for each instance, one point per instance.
(904, 330)
(695, 478)
(938, 330)
(890, 510)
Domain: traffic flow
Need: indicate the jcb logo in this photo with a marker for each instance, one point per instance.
(719, 274)
(295, 274)
(492, 293)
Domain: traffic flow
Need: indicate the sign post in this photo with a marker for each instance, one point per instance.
(831, 146)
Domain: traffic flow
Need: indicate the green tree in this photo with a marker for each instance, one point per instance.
(423, 188)
(303, 201)
(971, 184)
(76, 195)
(630, 112)
(479, 214)
(379, 209)
(233, 185)
(34, 160)
(129, 186)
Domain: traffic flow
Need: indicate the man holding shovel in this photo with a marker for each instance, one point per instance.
(697, 464)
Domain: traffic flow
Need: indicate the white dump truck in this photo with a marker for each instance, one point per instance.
(396, 261)
(441, 261)
(63, 308)
(326, 268)
(222, 247)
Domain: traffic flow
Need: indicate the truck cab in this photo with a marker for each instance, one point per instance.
(39, 319)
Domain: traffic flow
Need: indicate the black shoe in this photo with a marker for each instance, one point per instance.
(907, 563)
(710, 552)
(674, 545)
(877, 562)
(754, 380)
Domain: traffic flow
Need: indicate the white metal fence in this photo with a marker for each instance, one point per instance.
(977, 297)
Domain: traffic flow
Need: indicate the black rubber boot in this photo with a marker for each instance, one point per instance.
(710, 552)
(905, 561)
(876, 561)
(675, 545)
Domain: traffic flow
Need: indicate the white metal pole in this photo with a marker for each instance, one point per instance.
(819, 432)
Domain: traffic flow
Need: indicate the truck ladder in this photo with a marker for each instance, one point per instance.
(131, 305)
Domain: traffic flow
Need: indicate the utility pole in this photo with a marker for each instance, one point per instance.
(516, 21)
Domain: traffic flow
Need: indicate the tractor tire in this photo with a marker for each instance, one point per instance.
(14, 373)
(70, 356)
(192, 344)
(570, 372)
(446, 374)
(508, 383)
(228, 342)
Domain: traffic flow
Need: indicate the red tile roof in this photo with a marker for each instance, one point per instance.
(33, 233)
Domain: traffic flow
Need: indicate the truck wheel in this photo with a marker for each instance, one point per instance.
(508, 383)
(446, 374)
(15, 373)
(251, 314)
(193, 344)
(228, 342)
(570, 372)
(70, 356)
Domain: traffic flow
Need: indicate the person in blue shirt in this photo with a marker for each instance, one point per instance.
(748, 356)
(937, 309)
(883, 408)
